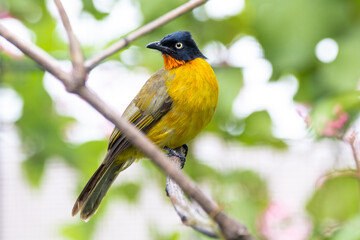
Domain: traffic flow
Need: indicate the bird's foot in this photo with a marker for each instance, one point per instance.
(180, 152)
(186, 149)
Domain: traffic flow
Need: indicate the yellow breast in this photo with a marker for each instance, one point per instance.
(194, 91)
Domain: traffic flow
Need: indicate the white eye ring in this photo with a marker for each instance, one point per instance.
(179, 45)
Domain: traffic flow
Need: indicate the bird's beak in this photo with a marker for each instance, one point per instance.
(158, 46)
(154, 45)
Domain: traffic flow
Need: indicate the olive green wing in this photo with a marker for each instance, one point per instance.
(149, 105)
(147, 108)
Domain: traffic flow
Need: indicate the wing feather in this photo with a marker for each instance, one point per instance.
(147, 108)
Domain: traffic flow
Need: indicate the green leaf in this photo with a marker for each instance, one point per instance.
(230, 83)
(258, 131)
(33, 169)
(324, 110)
(244, 196)
(349, 231)
(128, 191)
(79, 231)
(338, 200)
(199, 171)
(157, 233)
(290, 30)
(88, 6)
(40, 127)
(341, 76)
(346, 65)
(88, 156)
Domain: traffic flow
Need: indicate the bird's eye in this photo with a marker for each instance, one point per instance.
(179, 45)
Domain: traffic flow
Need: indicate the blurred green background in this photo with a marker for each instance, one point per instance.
(307, 51)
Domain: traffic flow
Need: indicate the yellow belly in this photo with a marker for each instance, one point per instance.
(177, 127)
(194, 92)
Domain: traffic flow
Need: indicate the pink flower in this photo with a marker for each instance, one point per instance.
(333, 128)
(304, 113)
(279, 223)
(5, 14)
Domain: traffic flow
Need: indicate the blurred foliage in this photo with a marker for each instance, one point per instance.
(128, 191)
(288, 32)
(156, 234)
(349, 231)
(338, 199)
(79, 231)
(336, 203)
(88, 6)
(258, 130)
(41, 133)
(229, 86)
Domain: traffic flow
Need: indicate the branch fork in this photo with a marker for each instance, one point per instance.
(78, 74)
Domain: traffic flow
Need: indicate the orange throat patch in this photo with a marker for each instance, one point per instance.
(171, 62)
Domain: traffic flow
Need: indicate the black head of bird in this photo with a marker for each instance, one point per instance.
(178, 45)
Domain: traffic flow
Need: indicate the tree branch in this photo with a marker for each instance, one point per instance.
(350, 138)
(190, 213)
(42, 58)
(96, 59)
(230, 228)
(77, 59)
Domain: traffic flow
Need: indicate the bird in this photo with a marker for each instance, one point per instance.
(172, 107)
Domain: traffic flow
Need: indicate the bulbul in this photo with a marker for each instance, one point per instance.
(173, 106)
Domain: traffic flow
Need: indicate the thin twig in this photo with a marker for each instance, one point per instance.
(230, 228)
(357, 160)
(334, 174)
(96, 59)
(76, 55)
(351, 138)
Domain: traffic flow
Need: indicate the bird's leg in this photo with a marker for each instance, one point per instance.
(180, 152)
(186, 149)
(190, 213)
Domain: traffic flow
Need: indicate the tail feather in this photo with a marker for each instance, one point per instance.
(96, 188)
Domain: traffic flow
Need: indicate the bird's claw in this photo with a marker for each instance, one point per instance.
(174, 152)
(186, 149)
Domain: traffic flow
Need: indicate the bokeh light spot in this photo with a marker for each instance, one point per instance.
(11, 105)
(327, 50)
(220, 9)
